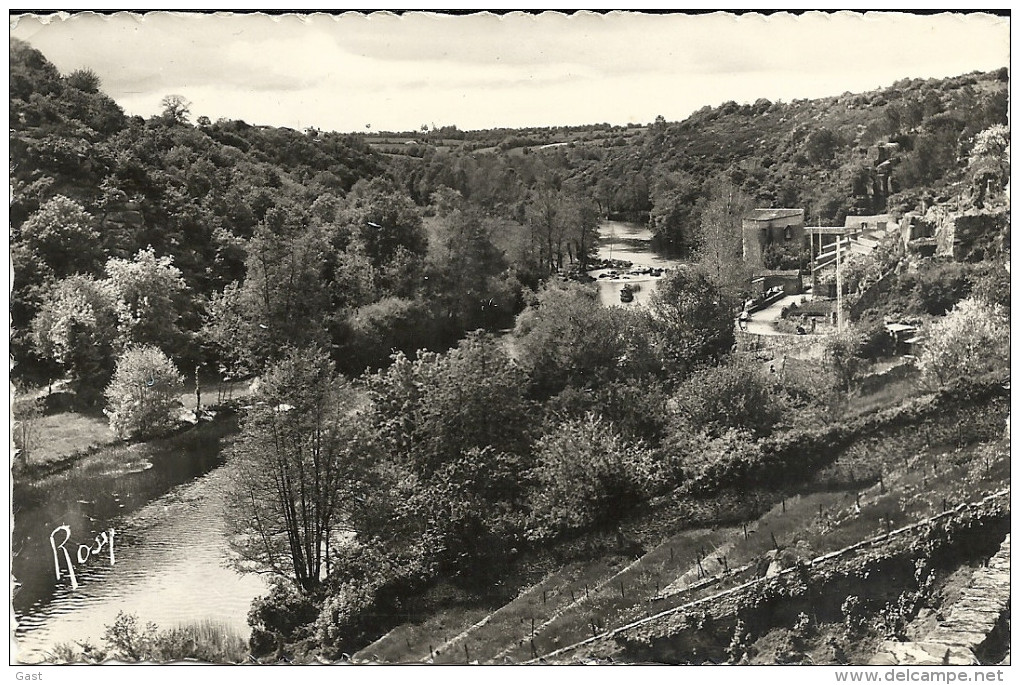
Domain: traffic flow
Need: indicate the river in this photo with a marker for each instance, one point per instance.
(165, 506)
(170, 545)
(633, 243)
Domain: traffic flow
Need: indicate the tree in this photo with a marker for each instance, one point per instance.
(376, 331)
(283, 301)
(302, 457)
(63, 235)
(176, 109)
(720, 251)
(467, 280)
(144, 394)
(440, 406)
(383, 221)
(76, 327)
(84, 80)
(972, 339)
(675, 212)
(821, 145)
(842, 354)
(148, 292)
(566, 338)
(693, 319)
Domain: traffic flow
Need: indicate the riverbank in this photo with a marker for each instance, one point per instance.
(164, 499)
(52, 432)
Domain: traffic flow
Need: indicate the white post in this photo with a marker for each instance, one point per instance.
(839, 287)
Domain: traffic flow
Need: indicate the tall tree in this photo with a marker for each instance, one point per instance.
(283, 301)
(302, 460)
(720, 251)
(675, 211)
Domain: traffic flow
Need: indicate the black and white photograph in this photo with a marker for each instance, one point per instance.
(498, 338)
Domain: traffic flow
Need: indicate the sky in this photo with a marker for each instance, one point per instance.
(380, 71)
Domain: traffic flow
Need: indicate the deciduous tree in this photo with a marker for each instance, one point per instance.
(302, 457)
(692, 318)
(144, 394)
(77, 328)
(970, 340)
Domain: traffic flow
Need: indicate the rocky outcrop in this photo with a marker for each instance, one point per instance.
(959, 233)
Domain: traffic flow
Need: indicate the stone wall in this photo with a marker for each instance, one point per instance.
(778, 346)
(962, 632)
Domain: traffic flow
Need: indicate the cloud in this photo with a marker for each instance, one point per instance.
(483, 70)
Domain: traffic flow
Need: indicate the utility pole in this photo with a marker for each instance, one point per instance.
(839, 286)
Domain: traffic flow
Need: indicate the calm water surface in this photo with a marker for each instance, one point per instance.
(170, 547)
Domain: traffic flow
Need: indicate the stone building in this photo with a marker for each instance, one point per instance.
(765, 227)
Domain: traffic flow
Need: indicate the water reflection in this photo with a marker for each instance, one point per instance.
(170, 545)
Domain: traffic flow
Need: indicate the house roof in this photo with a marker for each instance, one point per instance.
(856, 221)
(769, 214)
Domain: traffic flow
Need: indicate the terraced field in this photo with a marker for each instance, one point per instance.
(570, 614)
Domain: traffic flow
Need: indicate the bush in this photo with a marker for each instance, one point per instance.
(284, 615)
(874, 342)
(990, 284)
(971, 340)
(340, 626)
(127, 640)
(587, 475)
(144, 393)
(940, 286)
(636, 408)
(734, 395)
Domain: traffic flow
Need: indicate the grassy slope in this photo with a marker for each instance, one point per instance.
(875, 486)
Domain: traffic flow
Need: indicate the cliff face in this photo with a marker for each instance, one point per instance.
(970, 234)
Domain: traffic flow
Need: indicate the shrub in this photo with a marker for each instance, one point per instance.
(636, 408)
(128, 640)
(283, 615)
(971, 340)
(144, 393)
(734, 395)
(940, 286)
(340, 626)
(587, 474)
